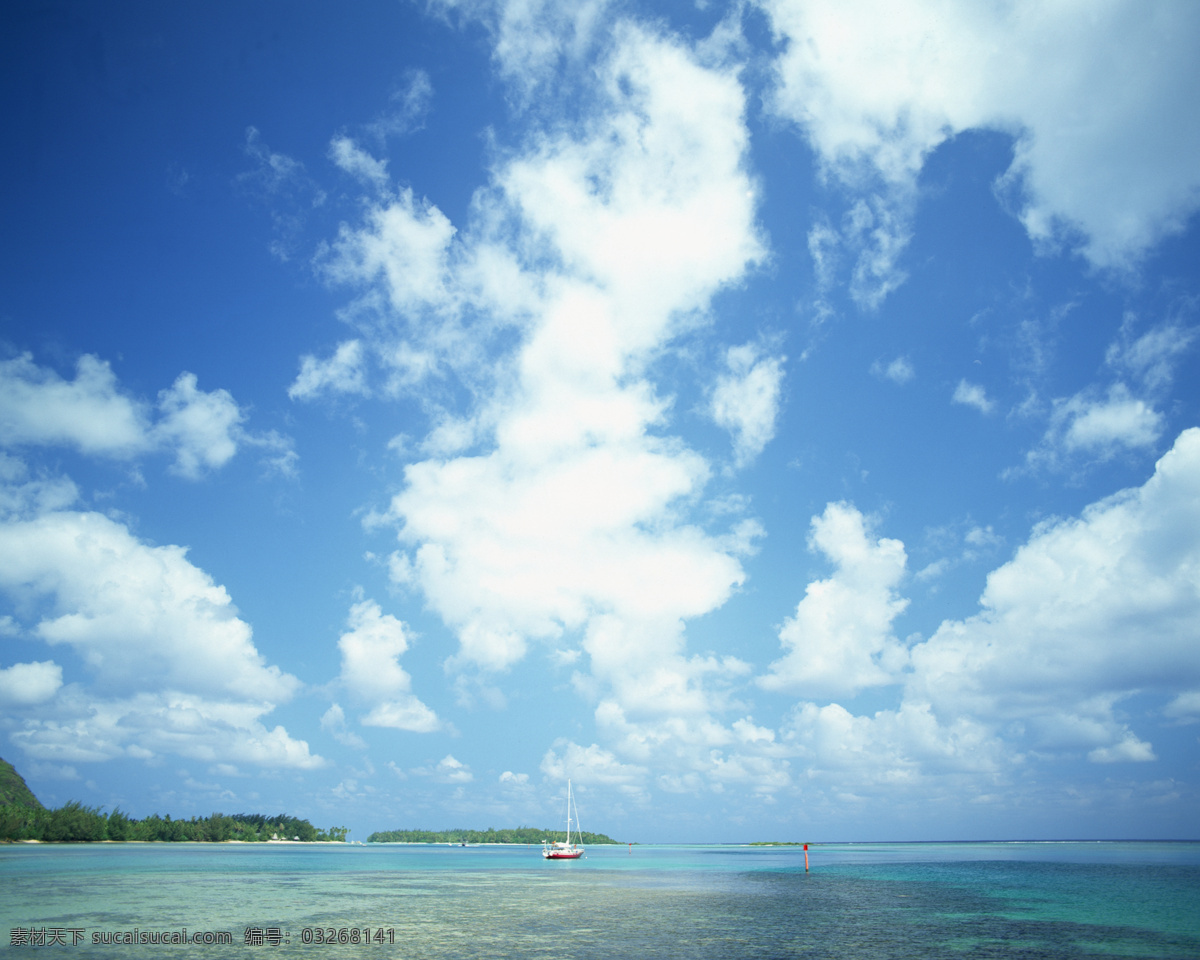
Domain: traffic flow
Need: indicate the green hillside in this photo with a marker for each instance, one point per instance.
(22, 817)
(13, 789)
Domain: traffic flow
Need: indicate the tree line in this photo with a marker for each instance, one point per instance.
(75, 822)
(490, 835)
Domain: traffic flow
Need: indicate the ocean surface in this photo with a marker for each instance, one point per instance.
(868, 901)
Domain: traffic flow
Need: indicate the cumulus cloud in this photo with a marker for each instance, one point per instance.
(892, 751)
(972, 395)
(152, 725)
(341, 373)
(371, 671)
(1099, 423)
(171, 667)
(1129, 750)
(568, 516)
(746, 399)
(1093, 427)
(131, 610)
(840, 640)
(1104, 137)
(403, 247)
(592, 765)
(447, 770)
(91, 413)
(25, 683)
(1118, 420)
(554, 508)
(25, 496)
(1087, 612)
(202, 430)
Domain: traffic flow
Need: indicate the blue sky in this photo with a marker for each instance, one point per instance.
(780, 418)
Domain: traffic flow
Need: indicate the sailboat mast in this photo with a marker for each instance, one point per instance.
(568, 812)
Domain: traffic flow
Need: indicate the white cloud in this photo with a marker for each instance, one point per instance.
(972, 395)
(1105, 135)
(748, 732)
(556, 508)
(341, 373)
(448, 770)
(133, 611)
(1091, 427)
(592, 766)
(891, 751)
(354, 160)
(278, 451)
(1150, 358)
(877, 231)
(1129, 750)
(150, 725)
(900, 371)
(1119, 420)
(25, 683)
(23, 497)
(1185, 707)
(746, 399)
(982, 537)
(824, 243)
(334, 720)
(1087, 612)
(371, 671)
(1095, 425)
(37, 407)
(203, 430)
(532, 39)
(932, 571)
(571, 514)
(403, 247)
(410, 103)
(172, 668)
(840, 638)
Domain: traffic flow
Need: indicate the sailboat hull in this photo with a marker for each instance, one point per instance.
(563, 854)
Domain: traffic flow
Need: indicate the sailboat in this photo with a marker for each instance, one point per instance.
(565, 849)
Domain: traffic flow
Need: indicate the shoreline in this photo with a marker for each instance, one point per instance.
(249, 843)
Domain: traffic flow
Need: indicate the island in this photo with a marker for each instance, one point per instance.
(525, 835)
(24, 818)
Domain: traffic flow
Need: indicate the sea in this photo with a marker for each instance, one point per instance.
(867, 901)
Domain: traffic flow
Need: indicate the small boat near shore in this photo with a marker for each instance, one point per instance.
(565, 849)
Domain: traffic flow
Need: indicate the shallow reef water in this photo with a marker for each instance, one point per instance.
(1067, 900)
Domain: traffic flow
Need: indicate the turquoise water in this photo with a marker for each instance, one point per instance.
(1033, 900)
